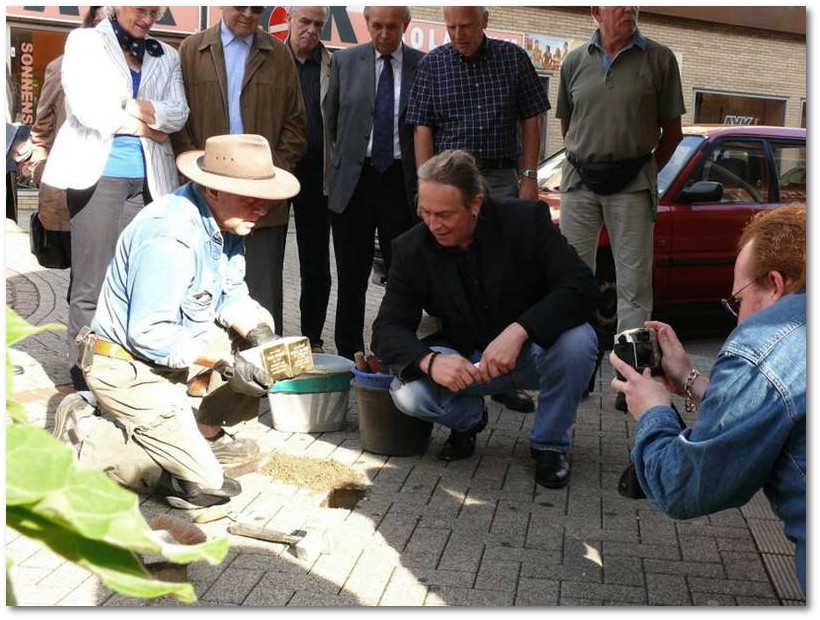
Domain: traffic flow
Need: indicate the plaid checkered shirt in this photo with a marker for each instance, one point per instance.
(476, 104)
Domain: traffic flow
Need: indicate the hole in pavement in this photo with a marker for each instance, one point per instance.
(345, 497)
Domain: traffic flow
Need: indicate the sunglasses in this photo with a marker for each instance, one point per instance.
(256, 10)
(732, 304)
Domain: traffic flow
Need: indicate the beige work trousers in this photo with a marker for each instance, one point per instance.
(149, 427)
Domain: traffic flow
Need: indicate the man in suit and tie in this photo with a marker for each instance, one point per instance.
(373, 166)
(514, 301)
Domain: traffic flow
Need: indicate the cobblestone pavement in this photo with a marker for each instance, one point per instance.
(475, 532)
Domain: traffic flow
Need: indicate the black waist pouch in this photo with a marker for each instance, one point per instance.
(609, 177)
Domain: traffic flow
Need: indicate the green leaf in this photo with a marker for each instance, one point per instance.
(11, 600)
(17, 328)
(118, 568)
(36, 464)
(15, 410)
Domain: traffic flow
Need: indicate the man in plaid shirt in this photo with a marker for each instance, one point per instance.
(482, 96)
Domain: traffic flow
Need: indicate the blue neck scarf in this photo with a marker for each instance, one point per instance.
(134, 46)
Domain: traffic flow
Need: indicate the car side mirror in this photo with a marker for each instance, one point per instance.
(702, 191)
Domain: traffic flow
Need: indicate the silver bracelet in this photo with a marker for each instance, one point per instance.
(689, 396)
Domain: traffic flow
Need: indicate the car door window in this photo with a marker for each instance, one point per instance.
(790, 167)
(741, 167)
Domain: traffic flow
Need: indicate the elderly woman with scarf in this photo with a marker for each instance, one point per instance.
(124, 95)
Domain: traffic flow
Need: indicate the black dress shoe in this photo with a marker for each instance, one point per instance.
(620, 402)
(551, 468)
(517, 400)
(461, 444)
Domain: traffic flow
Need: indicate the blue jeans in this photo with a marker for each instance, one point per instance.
(560, 373)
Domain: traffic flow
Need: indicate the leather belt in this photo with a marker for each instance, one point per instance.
(107, 348)
(496, 163)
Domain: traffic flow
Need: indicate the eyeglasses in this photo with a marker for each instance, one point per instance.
(256, 10)
(732, 304)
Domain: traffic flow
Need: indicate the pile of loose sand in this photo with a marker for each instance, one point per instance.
(313, 474)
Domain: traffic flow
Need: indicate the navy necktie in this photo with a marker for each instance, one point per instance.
(383, 118)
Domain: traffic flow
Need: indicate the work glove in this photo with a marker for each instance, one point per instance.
(244, 377)
(260, 334)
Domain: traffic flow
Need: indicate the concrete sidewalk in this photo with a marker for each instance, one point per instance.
(475, 532)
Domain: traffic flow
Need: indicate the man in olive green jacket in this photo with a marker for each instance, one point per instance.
(239, 79)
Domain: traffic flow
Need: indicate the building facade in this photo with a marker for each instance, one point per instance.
(739, 65)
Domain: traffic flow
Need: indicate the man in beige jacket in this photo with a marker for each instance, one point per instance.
(239, 79)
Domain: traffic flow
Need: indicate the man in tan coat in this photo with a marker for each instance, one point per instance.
(239, 79)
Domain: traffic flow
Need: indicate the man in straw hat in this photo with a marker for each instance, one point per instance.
(172, 294)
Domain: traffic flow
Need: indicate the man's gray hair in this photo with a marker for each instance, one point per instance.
(111, 11)
(479, 10)
(405, 12)
(457, 169)
(291, 9)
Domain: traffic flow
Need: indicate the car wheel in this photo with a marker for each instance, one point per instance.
(606, 314)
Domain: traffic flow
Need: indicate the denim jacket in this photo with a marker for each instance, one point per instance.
(173, 274)
(750, 432)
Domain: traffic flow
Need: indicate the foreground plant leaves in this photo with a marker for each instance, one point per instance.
(85, 517)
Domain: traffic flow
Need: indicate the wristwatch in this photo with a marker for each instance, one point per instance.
(529, 173)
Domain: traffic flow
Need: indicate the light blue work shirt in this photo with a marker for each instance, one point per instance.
(236, 57)
(750, 432)
(174, 273)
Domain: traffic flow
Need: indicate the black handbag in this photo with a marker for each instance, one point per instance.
(609, 177)
(51, 248)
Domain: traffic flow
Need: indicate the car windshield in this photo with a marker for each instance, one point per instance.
(681, 156)
(549, 172)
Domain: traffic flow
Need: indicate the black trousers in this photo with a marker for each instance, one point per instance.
(379, 202)
(98, 216)
(264, 265)
(313, 238)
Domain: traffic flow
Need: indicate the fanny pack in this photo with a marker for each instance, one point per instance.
(609, 177)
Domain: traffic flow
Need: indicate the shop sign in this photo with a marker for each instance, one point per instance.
(548, 52)
(738, 119)
(183, 19)
(346, 27)
(27, 108)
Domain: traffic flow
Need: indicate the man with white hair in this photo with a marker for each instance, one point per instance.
(305, 24)
(172, 295)
(620, 103)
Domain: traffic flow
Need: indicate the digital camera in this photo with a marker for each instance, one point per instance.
(640, 349)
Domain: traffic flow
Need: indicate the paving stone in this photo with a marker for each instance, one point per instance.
(537, 593)
(497, 575)
(712, 599)
(784, 576)
(463, 596)
(770, 538)
(594, 591)
(667, 552)
(580, 602)
(667, 590)
(687, 528)
(425, 547)
(746, 566)
(461, 552)
(403, 595)
(233, 586)
(322, 599)
(672, 567)
(623, 570)
(699, 549)
(731, 586)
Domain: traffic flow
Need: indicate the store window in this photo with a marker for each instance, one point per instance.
(31, 50)
(728, 109)
(790, 164)
(803, 114)
(742, 169)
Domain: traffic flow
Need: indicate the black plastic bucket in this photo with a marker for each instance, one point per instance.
(387, 431)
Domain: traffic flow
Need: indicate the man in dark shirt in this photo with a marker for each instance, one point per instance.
(514, 300)
(483, 96)
(310, 211)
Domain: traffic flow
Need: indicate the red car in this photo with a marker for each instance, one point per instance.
(718, 177)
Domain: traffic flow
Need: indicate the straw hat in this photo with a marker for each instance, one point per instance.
(239, 164)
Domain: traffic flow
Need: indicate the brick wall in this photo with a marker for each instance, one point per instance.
(713, 57)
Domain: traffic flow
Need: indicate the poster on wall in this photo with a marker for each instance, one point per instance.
(547, 52)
